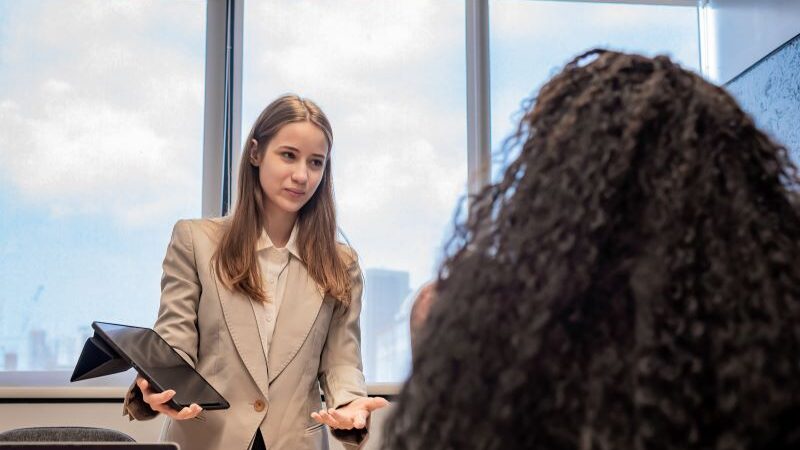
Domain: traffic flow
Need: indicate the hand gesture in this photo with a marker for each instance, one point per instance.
(351, 415)
(158, 402)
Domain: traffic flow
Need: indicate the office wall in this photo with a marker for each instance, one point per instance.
(109, 415)
(104, 415)
(770, 92)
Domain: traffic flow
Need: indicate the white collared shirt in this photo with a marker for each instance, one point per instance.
(272, 262)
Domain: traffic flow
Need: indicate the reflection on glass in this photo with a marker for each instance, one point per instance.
(101, 110)
(391, 78)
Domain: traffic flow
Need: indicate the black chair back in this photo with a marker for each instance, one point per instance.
(62, 434)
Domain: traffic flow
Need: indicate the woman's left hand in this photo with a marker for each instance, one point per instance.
(351, 415)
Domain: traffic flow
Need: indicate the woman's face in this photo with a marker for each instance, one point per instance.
(291, 167)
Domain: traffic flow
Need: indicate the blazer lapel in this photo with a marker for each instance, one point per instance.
(298, 312)
(241, 321)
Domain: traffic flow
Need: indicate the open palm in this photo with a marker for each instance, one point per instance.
(352, 415)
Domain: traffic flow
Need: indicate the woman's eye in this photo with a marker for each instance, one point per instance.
(287, 155)
(317, 163)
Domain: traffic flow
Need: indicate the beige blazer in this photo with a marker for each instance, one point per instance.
(316, 343)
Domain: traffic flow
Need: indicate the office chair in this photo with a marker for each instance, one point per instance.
(61, 434)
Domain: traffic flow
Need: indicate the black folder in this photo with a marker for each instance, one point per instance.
(116, 348)
(98, 359)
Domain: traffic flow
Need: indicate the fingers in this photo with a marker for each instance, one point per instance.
(158, 402)
(343, 421)
(323, 417)
(158, 398)
(353, 415)
(377, 403)
(188, 412)
(333, 419)
(144, 386)
(360, 420)
(318, 418)
(330, 420)
(163, 409)
(148, 394)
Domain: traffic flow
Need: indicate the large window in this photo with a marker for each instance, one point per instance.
(101, 115)
(391, 77)
(101, 138)
(531, 40)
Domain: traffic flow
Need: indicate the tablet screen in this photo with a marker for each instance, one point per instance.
(160, 364)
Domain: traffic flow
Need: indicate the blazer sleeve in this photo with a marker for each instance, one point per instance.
(177, 315)
(341, 375)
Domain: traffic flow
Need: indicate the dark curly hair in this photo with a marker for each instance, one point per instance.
(632, 282)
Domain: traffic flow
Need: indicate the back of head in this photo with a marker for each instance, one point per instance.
(630, 283)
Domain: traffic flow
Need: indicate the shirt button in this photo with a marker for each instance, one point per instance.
(259, 405)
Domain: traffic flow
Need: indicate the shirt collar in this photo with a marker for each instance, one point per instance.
(264, 242)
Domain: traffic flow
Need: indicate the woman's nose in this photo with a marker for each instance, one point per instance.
(300, 175)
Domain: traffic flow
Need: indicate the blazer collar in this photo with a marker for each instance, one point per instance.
(241, 322)
(296, 317)
(299, 310)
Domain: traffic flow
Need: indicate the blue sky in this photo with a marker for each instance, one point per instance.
(531, 41)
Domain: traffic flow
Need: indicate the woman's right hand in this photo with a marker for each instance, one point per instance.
(158, 402)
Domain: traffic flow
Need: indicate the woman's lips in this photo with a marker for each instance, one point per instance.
(294, 193)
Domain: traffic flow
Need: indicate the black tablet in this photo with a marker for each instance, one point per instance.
(159, 364)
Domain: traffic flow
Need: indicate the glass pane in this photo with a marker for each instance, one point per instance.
(530, 41)
(101, 115)
(391, 77)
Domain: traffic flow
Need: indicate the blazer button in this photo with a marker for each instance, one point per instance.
(259, 405)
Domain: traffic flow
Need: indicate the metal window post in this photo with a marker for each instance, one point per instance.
(223, 104)
(478, 95)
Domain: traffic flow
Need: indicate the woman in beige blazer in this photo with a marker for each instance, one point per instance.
(265, 303)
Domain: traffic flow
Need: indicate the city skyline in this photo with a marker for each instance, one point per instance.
(386, 306)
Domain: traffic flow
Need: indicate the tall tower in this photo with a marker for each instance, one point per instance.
(384, 291)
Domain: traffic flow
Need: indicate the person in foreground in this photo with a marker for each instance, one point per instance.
(420, 308)
(632, 282)
(264, 303)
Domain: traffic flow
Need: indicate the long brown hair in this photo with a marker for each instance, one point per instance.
(235, 260)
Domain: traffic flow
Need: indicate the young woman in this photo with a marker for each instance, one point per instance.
(265, 303)
(632, 282)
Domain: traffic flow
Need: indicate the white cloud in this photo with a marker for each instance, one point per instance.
(102, 110)
(390, 75)
(99, 115)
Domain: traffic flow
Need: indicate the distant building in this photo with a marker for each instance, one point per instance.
(393, 359)
(65, 352)
(384, 292)
(39, 354)
(10, 360)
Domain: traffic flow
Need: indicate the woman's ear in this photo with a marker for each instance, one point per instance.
(252, 152)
